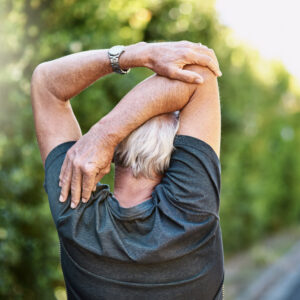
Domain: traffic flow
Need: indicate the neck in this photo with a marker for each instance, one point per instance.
(131, 191)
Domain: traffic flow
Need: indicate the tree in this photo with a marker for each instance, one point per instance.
(260, 123)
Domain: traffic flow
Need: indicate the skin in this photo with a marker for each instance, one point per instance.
(203, 104)
(131, 191)
(178, 66)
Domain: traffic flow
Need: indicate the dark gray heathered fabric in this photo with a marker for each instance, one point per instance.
(168, 247)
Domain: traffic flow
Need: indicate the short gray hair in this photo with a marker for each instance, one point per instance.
(147, 150)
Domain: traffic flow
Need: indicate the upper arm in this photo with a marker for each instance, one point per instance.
(201, 116)
(55, 122)
(193, 179)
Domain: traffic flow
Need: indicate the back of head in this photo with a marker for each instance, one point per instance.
(147, 150)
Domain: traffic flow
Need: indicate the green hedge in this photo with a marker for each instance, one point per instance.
(260, 123)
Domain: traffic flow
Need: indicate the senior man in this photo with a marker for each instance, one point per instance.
(158, 235)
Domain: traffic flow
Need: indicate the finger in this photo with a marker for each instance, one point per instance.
(76, 185)
(211, 54)
(101, 174)
(63, 169)
(202, 49)
(88, 181)
(66, 182)
(187, 76)
(207, 61)
(97, 179)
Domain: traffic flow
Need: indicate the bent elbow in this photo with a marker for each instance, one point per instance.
(38, 75)
(39, 82)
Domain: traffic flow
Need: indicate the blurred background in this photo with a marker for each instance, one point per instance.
(258, 50)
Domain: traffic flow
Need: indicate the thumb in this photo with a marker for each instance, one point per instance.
(101, 174)
(188, 76)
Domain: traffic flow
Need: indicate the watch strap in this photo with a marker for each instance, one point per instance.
(114, 61)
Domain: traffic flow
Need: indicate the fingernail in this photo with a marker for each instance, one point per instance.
(84, 200)
(61, 198)
(73, 205)
(199, 80)
(220, 73)
(59, 184)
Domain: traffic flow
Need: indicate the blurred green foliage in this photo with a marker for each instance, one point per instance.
(260, 123)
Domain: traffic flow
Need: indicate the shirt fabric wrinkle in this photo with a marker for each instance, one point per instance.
(167, 247)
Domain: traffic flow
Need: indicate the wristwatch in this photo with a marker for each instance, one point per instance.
(114, 54)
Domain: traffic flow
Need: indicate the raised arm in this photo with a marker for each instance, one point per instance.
(89, 159)
(55, 82)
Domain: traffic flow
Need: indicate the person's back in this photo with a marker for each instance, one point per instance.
(167, 247)
(158, 235)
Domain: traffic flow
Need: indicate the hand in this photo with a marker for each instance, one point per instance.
(84, 166)
(168, 59)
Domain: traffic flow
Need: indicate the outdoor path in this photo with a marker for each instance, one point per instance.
(281, 281)
(269, 270)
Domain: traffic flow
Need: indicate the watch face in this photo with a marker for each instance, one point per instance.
(116, 50)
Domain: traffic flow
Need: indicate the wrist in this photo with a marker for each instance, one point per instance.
(106, 134)
(135, 55)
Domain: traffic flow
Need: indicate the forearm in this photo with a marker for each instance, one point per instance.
(64, 78)
(153, 96)
(67, 76)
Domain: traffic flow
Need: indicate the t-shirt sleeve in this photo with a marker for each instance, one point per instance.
(193, 179)
(53, 166)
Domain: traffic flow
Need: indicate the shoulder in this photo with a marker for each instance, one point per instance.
(193, 179)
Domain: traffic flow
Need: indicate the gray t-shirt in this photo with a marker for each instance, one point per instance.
(168, 247)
